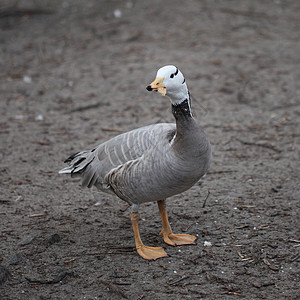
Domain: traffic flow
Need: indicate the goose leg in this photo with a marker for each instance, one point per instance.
(150, 253)
(169, 237)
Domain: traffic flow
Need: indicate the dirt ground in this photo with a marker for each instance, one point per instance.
(73, 74)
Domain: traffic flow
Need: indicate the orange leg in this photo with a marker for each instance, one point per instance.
(150, 253)
(169, 237)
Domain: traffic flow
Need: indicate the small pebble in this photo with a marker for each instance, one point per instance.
(67, 288)
(13, 260)
(39, 118)
(117, 13)
(27, 79)
(54, 238)
(4, 274)
(27, 241)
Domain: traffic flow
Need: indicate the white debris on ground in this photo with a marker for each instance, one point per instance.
(27, 79)
(39, 117)
(100, 202)
(117, 13)
(207, 244)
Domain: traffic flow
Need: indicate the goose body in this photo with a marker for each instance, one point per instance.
(150, 163)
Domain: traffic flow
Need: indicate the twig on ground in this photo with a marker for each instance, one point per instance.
(204, 203)
(112, 129)
(221, 171)
(37, 215)
(268, 146)
(295, 257)
(83, 108)
(178, 280)
(232, 293)
(69, 260)
(19, 12)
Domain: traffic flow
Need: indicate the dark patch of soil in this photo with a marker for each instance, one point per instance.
(74, 74)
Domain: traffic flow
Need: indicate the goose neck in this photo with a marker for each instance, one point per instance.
(182, 110)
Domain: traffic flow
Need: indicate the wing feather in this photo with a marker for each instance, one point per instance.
(119, 153)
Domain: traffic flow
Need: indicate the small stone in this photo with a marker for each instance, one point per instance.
(273, 267)
(257, 284)
(39, 117)
(54, 238)
(67, 288)
(27, 79)
(117, 13)
(13, 260)
(4, 274)
(27, 241)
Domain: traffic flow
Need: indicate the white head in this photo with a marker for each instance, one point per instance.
(170, 81)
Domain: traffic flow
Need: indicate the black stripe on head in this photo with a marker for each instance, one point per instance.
(183, 81)
(174, 74)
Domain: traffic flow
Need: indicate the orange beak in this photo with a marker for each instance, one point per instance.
(157, 86)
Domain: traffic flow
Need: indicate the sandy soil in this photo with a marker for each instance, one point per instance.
(74, 73)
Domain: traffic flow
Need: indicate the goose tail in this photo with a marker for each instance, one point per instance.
(80, 165)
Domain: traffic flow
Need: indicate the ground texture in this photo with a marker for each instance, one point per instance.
(73, 74)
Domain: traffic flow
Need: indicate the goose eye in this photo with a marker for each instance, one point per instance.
(172, 75)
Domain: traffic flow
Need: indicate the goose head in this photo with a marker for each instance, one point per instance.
(170, 82)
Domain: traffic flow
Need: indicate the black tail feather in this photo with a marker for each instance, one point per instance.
(69, 159)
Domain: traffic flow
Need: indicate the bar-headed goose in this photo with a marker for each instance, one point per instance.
(150, 163)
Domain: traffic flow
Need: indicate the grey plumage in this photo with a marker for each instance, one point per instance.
(146, 164)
